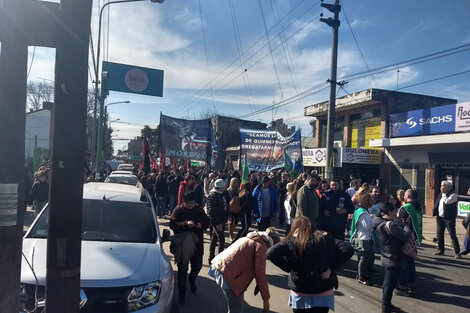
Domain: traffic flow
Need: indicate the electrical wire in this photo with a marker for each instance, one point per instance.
(276, 73)
(239, 49)
(202, 91)
(357, 45)
(257, 61)
(205, 46)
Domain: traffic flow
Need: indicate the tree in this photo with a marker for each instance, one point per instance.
(38, 92)
(152, 136)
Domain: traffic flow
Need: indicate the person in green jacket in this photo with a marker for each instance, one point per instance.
(308, 203)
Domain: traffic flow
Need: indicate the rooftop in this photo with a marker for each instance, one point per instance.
(397, 101)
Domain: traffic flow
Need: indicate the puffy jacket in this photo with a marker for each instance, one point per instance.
(217, 208)
(450, 210)
(179, 223)
(391, 237)
(258, 195)
(305, 270)
(244, 261)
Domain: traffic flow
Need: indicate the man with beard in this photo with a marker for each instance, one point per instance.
(336, 205)
(375, 209)
(308, 203)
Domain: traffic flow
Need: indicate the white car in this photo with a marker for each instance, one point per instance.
(123, 265)
(122, 177)
(125, 167)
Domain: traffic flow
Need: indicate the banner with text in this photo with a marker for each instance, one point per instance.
(186, 139)
(361, 156)
(317, 157)
(464, 208)
(264, 149)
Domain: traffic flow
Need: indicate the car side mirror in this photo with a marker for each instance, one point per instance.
(165, 235)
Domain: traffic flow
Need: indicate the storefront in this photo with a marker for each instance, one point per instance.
(359, 162)
(427, 146)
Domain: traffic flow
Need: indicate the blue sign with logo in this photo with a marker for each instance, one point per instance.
(133, 79)
(429, 121)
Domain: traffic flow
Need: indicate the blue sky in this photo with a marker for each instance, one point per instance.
(169, 36)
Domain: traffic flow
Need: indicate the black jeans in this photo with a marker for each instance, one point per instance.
(264, 223)
(217, 239)
(392, 274)
(318, 309)
(442, 224)
(196, 265)
(245, 219)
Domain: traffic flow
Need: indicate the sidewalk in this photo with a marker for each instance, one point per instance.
(429, 231)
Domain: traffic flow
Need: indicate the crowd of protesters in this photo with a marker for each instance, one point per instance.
(324, 225)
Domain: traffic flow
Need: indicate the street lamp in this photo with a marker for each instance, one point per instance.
(97, 68)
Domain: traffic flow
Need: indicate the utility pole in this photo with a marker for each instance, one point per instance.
(64, 26)
(334, 23)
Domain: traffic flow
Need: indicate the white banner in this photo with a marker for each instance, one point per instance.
(462, 117)
(317, 157)
(463, 208)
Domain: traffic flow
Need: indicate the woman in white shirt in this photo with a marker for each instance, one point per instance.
(287, 206)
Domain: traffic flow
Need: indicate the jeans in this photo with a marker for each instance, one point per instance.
(466, 245)
(245, 219)
(365, 261)
(264, 223)
(317, 309)
(217, 239)
(234, 303)
(392, 274)
(196, 265)
(171, 202)
(442, 224)
(408, 272)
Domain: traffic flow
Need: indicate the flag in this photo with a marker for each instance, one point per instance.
(246, 171)
(288, 163)
(146, 157)
(154, 163)
(298, 167)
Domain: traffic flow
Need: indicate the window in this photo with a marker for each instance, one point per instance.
(105, 220)
(337, 134)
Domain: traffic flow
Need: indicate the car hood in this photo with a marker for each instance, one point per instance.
(104, 264)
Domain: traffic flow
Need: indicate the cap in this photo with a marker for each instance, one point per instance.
(219, 183)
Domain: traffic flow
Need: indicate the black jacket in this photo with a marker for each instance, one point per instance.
(161, 187)
(174, 184)
(247, 203)
(329, 202)
(450, 210)
(39, 191)
(217, 208)
(305, 270)
(391, 237)
(179, 223)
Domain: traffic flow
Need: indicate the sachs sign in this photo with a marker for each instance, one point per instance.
(438, 120)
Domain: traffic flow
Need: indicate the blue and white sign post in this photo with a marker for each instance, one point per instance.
(125, 78)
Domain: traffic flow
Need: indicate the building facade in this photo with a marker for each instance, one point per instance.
(362, 119)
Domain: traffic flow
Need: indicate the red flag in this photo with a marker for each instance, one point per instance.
(154, 163)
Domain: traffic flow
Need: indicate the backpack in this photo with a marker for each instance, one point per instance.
(234, 205)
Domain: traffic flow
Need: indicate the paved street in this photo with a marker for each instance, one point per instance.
(443, 285)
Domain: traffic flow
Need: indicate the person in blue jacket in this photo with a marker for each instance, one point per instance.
(266, 198)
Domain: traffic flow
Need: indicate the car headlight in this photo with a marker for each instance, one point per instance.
(142, 296)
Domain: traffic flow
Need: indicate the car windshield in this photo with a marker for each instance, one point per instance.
(105, 220)
(127, 180)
